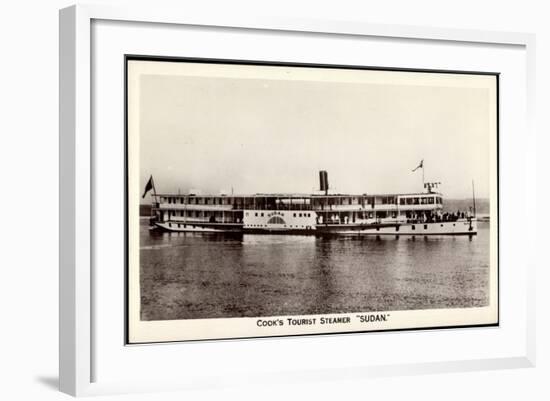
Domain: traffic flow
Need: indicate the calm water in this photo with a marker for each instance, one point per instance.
(190, 276)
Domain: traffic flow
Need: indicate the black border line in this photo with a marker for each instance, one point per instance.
(125, 206)
(138, 57)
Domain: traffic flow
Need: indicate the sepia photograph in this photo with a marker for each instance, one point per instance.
(278, 199)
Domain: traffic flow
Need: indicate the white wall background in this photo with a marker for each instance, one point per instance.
(29, 186)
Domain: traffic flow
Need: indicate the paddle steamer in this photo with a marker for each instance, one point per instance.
(322, 212)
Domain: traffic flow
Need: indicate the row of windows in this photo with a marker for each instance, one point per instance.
(339, 200)
(285, 226)
(204, 201)
(359, 215)
(421, 201)
(356, 200)
(261, 214)
(247, 202)
(196, 213)
(413, 227)
(178, 225)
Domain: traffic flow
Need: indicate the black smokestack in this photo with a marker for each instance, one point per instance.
(323, 181)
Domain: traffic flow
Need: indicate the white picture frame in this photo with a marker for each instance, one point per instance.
(82, 345)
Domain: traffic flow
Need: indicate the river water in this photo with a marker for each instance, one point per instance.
(194, 276)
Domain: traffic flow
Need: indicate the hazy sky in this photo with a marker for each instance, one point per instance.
(264, 133)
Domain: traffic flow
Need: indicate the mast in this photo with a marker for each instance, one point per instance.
(421, 165)
(423, 181)
(474, 197)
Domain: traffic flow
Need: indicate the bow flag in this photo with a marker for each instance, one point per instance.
(421, 165)
(150, 185)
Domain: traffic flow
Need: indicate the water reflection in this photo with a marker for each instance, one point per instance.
(189, 275)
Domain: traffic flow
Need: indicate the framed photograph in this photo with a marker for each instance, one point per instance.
(230, 235)
(235, 188)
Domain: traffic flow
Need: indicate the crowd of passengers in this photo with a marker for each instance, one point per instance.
(431, 217)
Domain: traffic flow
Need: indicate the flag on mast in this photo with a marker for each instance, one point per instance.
(421, 165)
(149, 186)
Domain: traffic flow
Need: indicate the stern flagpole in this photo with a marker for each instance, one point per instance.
(154, 188)
(474, 197)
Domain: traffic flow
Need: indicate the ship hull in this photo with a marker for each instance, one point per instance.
(199, 227)
(458, 227)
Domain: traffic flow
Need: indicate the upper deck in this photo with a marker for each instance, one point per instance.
(332, 202)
